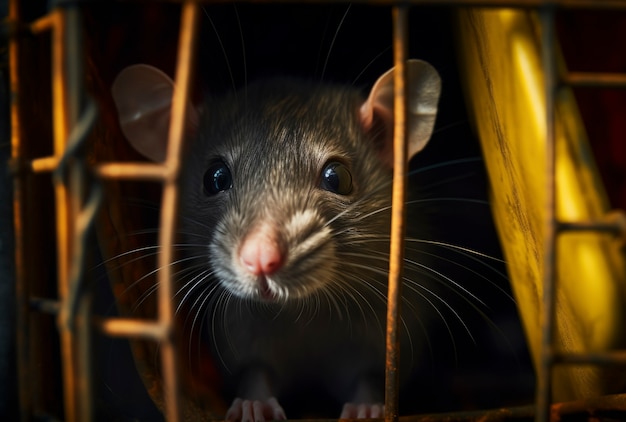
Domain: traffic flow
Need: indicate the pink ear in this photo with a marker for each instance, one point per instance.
(143, 96)
(424, 87)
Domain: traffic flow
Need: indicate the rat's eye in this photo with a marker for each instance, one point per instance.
(217, 178)
(337, 178)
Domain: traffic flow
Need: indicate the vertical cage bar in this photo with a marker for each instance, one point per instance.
(396, 253)
(180, 104)
(544, 376)
(62, 204)
(19, 190)
(81, 326)
(66, 78)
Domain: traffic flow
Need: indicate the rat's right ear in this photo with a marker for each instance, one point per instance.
(143, 96)
(376, 113)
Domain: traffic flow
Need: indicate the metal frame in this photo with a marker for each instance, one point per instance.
(76, 205)
(553, 82)
(71, 124)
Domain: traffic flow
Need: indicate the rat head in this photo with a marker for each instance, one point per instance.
(285, 189)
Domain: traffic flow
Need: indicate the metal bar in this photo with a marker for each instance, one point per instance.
(83, 332)
(134, 171)
(124, 327)
(611, 406)
(43, 24)
(396, 253)
(615, 228)
(595, 80)
(76, 321)
(186, 50)
(44, 164)
(62, 201)
(21, 251)
(525, 4)
(67, 78)
(547, 312)
(608, 358)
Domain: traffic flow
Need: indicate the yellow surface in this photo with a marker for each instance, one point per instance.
(500, 64)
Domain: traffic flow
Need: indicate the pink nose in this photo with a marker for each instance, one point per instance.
(261, 253)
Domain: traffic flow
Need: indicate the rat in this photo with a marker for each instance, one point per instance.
(285, 197)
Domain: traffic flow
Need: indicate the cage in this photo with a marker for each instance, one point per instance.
(504, 66)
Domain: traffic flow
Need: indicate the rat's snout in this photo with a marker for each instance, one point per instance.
(261, 252)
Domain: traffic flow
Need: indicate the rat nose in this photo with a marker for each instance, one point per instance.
(261, 253)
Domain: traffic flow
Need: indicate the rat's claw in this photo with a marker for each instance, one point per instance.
(362, 411)
(278, 414)
(234, 413)
(255, 411)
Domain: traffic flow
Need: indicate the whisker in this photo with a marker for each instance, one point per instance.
(439, 276)
(449, 126)
(202, 297)
(222, 301)
(477, 273)
(352, 294)
(332, 43)
(483, 315)
(219, 40)
(445, 164)
(196, 281)
(332, 301)
(368, 283)
(243, 55)
(469, 252)
(408, 303)
(153, 249)
(124, 254)
(446, 181)
(354, 81)
(448, 279)
(152, 288)
(412, 286)
(387, 185)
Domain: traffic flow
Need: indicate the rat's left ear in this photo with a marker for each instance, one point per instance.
(376, 113)
(143, 97)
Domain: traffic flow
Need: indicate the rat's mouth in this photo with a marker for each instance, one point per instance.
(265, 291)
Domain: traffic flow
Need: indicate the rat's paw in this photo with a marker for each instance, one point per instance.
(362, 411)
(255, 411)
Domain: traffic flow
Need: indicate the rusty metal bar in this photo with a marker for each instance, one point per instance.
(186, 50)
(44, 164)
(613, 227)
(43, 24)
(611, 406)
(83, 331)
(76, 307)
(608, 358)
(547, 313)
(134, 171)
(124, 327)
(396, 253)
(21, 253)
(73, 221)
(76, 313)
(595, 80)
(63, 119)
(525, 4)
